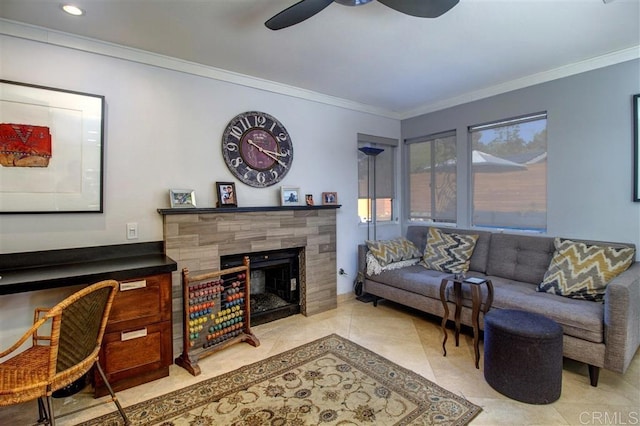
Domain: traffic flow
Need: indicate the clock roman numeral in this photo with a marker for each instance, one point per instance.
(244, 122)
(259, 120)
(236, 132)
(230, 146)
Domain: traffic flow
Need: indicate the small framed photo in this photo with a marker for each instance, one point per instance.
(226, 194)
(329, 198)
(289, 196)
(182, 198)
(308, 198)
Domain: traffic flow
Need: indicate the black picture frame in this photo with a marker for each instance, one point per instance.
(636, 148)
(65, 173)
(227, 195)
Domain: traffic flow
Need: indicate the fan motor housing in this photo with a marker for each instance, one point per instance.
(353, 2)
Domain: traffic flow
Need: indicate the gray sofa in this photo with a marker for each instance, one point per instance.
(603, 335)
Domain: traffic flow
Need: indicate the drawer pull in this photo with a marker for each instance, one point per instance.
(133, 285)
(129, 335)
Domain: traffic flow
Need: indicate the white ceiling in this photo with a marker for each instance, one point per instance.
(369, 55)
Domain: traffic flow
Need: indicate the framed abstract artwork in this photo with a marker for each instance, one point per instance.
(51, 150)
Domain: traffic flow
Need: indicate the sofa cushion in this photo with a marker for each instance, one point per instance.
(448, 252)
(389, 251)
(582, 319)
(520, 257)
(414, 279)
(582, 271)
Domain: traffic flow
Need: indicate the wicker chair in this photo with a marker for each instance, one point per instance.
(68, 352)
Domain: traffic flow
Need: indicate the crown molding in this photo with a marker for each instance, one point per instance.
(613, 58)
(85, 44)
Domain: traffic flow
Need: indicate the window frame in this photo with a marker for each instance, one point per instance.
(431, 139)
(471, 186)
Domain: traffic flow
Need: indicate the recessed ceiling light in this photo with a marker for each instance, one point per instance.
(72, 10)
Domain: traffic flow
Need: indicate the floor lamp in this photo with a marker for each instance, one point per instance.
(370, 152)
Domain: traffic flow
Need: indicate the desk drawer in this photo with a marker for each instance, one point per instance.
(135, 356)
(140, 302)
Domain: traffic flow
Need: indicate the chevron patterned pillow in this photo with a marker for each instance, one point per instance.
(390, 251)
(448, 252)
(582, 271)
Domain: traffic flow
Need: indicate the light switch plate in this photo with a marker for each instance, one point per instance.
(132, 231)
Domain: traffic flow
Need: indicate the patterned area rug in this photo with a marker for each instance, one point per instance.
(331, 381)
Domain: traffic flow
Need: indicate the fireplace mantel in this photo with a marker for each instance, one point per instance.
(243, 209)
(196, 238)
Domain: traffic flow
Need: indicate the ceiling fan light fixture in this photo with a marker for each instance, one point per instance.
(72, 10)
(353, 2)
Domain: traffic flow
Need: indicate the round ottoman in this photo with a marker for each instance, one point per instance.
(523, 355)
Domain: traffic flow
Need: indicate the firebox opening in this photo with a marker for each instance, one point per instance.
(275, 283)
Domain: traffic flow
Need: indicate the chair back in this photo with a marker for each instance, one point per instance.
(83, 319)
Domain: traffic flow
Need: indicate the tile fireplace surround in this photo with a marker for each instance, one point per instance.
(197, 238)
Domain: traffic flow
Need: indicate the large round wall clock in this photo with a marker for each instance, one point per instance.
(257, 149)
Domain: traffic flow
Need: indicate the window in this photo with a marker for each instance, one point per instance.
(432, 178)
(509, 173)
(376, 176)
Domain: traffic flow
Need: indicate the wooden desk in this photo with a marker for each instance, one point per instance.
(41, 270)
(137, 345)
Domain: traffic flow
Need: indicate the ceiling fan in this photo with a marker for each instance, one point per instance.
(307, 8)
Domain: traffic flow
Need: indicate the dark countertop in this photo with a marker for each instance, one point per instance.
(31, 271)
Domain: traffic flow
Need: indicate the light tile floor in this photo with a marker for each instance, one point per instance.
(406, 337)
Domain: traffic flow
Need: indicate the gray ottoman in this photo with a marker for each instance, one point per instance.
(523, 355)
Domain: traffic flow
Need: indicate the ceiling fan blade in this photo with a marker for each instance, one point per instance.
(297, 13)
(421, 8)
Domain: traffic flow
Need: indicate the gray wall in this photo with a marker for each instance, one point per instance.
(590, 148)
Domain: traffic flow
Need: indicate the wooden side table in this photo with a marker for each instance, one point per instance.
(476, 306)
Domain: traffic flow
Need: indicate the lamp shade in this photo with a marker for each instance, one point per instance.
(370, 151)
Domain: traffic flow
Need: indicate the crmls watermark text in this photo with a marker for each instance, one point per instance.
(609, 418)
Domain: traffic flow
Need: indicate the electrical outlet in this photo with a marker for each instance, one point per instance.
(132, 231)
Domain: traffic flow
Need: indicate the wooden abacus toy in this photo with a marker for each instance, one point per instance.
(216, 308)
